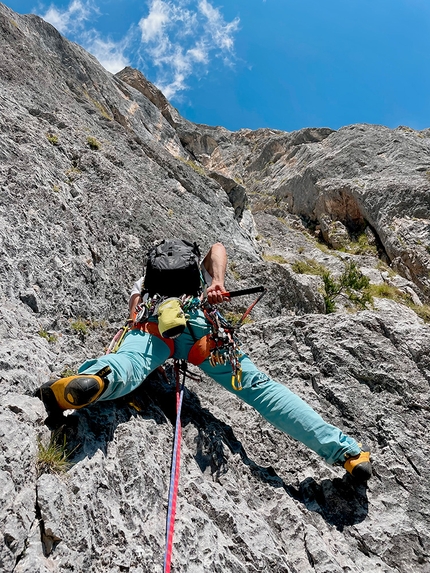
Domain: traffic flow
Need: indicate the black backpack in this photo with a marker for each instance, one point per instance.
(173, 269)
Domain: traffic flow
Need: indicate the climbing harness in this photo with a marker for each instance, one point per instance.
(220, 346)
(176, 458)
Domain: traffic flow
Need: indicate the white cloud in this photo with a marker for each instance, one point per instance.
(221, 32)
(71, 19)
(180, 37)
(152, 27)
(110, 54)
(199, 54)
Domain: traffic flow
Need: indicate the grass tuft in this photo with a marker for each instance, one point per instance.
(422, 311)
(234, 317)
(197, 168)
(234, 272)
(53, 457)
(275, 259)
(52, 138)
(51, 338)
(93, 143)
(387, 291)
(309, 267)
(82, 326)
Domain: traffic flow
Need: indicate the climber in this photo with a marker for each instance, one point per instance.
(173, 313)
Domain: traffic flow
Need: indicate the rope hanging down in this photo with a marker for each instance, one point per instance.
(174, 473)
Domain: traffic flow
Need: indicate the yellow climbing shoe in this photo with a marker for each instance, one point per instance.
(359, 466)
(171, 318)
(73, 392)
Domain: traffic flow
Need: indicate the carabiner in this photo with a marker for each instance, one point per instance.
(236, 380)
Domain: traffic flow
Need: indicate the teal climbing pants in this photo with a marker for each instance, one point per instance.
(141, 353)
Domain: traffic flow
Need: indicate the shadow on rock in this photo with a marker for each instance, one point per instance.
(92, 428)
(341, 502)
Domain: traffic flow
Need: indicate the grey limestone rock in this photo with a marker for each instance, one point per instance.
(93, 169)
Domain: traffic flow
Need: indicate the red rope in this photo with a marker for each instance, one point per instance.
(174, 475)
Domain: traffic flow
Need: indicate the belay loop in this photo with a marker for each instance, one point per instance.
(176, 458)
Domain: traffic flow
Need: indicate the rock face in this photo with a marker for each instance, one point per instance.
(93, 168)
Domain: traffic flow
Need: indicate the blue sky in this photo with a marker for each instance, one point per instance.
(284, 64)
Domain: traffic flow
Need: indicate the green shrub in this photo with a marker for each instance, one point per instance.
(51, 338)
(53, 139)
(93, 143)
(352, 284)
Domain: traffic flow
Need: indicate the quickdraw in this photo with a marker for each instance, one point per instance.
(225, 344)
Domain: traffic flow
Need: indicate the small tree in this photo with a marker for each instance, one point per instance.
(352, 284)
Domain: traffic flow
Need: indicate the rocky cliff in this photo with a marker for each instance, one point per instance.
(93, 168)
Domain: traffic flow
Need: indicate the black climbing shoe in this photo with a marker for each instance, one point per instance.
(73, 392)
(359, 466)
